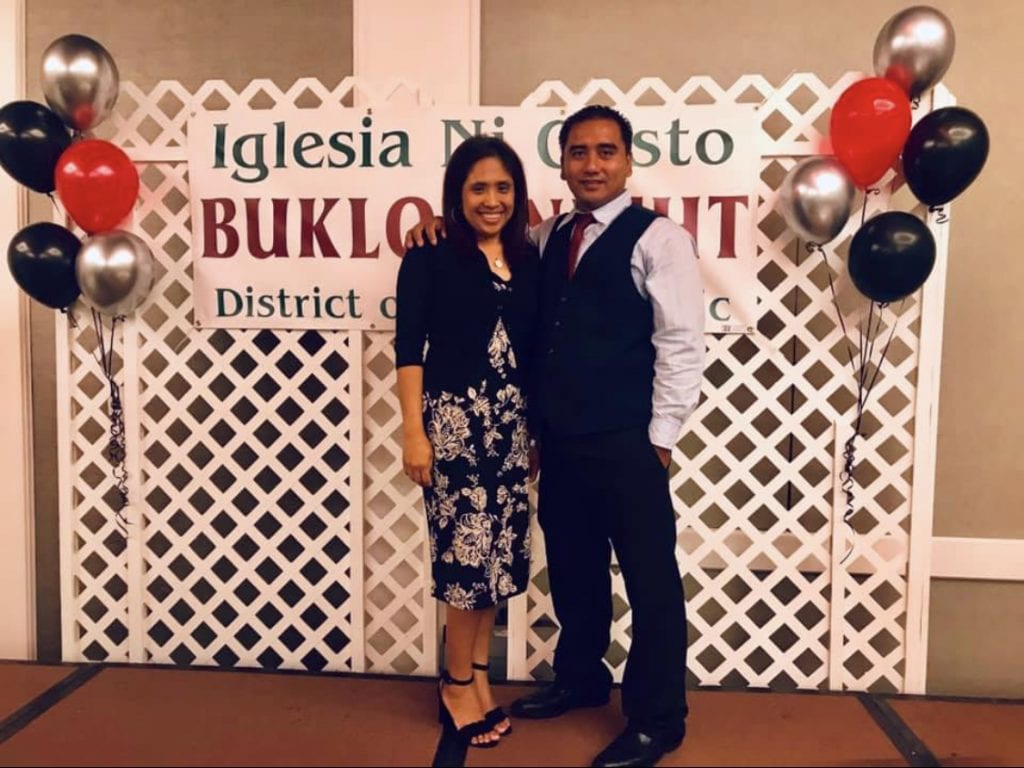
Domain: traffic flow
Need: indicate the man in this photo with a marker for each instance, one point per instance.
(618, 372)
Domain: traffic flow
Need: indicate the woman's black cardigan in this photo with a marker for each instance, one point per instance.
(446, 303)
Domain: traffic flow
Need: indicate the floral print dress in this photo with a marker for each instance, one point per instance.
(477, 509)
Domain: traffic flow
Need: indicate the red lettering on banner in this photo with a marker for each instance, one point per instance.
(279, 249)
(535, 215)
(211, 226)
(359, 251)
(660, 204)
(727, 247)
(310, 229)
(690, 213)
(394, 220)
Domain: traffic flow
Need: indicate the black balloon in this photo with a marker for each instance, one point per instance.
(42, 259)
(891, 256)
(944, 154)
(32, 139)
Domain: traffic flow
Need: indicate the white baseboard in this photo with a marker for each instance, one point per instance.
(972, 558)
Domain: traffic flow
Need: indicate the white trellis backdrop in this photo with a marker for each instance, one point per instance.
(271, 524)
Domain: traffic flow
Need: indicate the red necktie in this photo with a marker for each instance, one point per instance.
(580, 223)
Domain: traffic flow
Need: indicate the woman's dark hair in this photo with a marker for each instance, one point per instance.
(466, 155)
(597, 112)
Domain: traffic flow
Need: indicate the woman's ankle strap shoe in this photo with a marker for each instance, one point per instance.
(447, 679)
(466, 733)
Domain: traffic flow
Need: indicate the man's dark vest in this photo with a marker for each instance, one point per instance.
(595, 362)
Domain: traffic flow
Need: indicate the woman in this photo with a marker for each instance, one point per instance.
(472, 300)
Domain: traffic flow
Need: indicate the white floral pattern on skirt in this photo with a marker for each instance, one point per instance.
(477, 508)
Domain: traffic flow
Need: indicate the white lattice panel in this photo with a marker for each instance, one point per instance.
(248, 522)
(401, 627)
(273, 525)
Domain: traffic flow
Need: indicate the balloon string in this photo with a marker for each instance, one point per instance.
(815, 247)
(790, 448)
(864, 390)
(72, 320)
(885, 349)
(116, 448)
(849, 447)
(57, 205)
(868, 191)
(865, 384)
(865, 359)
(846, 484)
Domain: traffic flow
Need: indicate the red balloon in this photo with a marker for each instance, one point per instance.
(870, 123)
(97, 183)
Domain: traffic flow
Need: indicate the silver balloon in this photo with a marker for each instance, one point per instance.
(115, 272)
(816, 199)
(80, 81)
(914, 49)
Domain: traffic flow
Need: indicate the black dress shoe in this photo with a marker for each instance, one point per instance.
(633, 747)
(554, 700)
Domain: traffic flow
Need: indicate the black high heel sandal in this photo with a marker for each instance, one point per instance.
(496, 716)
(466, 733)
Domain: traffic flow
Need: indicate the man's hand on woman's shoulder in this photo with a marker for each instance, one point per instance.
(424, 232)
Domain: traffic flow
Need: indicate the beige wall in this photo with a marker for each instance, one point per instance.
(197, 40)
(190, 41)
(976, 639)
(980, 421)
(17, 632)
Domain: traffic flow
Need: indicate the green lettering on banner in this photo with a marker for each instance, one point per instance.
(727, 146)
(232, 303)
(674, 133)
(234, 295)
(219, 133)
(279, 144)
(256, 164)
(367, 161)
(650, 147)
(266, 306)
(303, 144)
(456, 128)
(543, 142)
(402, 145)
(249, 152)
(714, 311)
(353, 304)
(345, 149)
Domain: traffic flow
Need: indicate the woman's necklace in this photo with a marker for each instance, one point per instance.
(498, 262)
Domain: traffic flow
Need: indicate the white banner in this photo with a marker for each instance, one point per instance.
(298, 214)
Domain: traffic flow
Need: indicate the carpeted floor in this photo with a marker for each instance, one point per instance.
(140, 716)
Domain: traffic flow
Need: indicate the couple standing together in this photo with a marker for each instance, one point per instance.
(574, 349)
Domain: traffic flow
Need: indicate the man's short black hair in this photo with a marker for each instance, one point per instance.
(597, 112)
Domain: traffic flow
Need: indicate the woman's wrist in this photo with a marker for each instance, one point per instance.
(413, 432)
